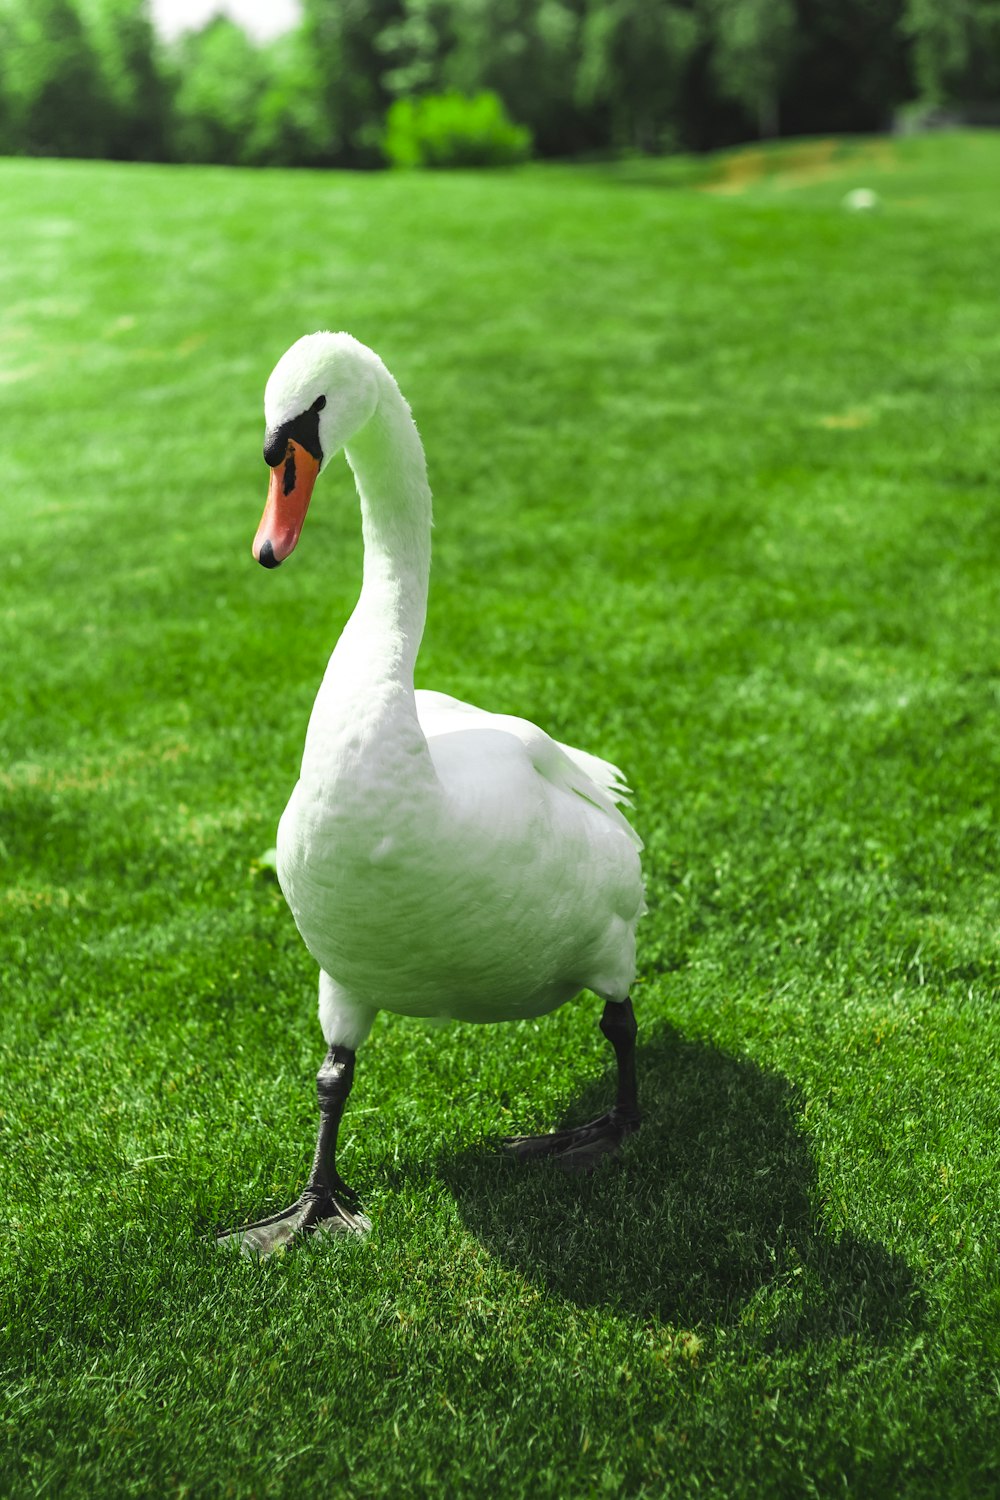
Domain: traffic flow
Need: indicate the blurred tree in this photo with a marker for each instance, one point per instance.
(55, 103)
(124, 42)
(220, 81)
(341, 38)
(87, 78)
(415, 45)
(291, 127)
(956, 49)
(7, 132)
(633, 60)
(941, 35)
(850, 67)
(528, 52)
(751, 47)
(981, 82)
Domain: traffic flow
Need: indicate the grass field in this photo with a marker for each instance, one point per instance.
(715, 466)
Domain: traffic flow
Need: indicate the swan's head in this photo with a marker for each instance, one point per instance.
(321, 392)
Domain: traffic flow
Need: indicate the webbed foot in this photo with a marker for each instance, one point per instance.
(306, 1215)
(580, 1149)
(326, 1203)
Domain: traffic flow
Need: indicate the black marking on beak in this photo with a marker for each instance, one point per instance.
(288, 479)
(266, 556)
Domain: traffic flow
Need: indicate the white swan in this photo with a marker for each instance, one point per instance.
(440, 861)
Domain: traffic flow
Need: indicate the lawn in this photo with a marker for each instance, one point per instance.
(715, 465)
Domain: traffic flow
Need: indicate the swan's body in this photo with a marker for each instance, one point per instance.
(456, 864)
(440, 861)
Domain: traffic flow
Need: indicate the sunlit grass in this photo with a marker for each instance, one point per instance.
(715, 479)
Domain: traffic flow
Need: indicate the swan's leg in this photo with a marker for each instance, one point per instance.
(326, 1201)
(581, 1149)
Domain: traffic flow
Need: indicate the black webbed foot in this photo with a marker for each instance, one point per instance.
(307, 1215)
(580, 1149)
(327, 1203)
(577, 1150)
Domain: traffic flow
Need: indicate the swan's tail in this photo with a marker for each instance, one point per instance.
(602, 773)
(601, 783)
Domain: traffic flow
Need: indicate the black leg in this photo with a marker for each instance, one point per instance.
(618, 1025)
(333, 1085)
(326, 1201)
(581, 1149)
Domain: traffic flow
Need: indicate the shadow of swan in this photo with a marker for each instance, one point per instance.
(710, 1217)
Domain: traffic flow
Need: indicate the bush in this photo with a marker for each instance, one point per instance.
(453, 130)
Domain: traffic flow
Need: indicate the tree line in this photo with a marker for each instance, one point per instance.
(91, 78)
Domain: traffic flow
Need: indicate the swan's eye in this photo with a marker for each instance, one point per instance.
(303, 429)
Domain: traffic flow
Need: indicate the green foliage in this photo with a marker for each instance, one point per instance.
(290, 123)
(414, 47)
(54, 99)
(633, 60)
(752, 42)
(88, 77)
(941, 37)
(850, 67)
(342, 38)
(956, 49)
(132, 77)
(528, 51)
(453, 130)
(219, 84)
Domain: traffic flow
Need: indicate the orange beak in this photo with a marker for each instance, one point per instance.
(288, 496)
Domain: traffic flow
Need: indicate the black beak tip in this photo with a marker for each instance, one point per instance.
(266, 556)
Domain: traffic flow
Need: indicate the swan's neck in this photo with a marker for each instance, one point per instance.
(366, 698)
(387, 457)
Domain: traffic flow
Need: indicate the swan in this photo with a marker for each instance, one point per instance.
(440, 861)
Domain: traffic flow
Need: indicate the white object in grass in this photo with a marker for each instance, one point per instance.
(861, 200)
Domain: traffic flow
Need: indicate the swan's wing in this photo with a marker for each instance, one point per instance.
(440, 714)
(596, 781)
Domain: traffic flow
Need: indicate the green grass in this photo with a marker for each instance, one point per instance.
(715, 466)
